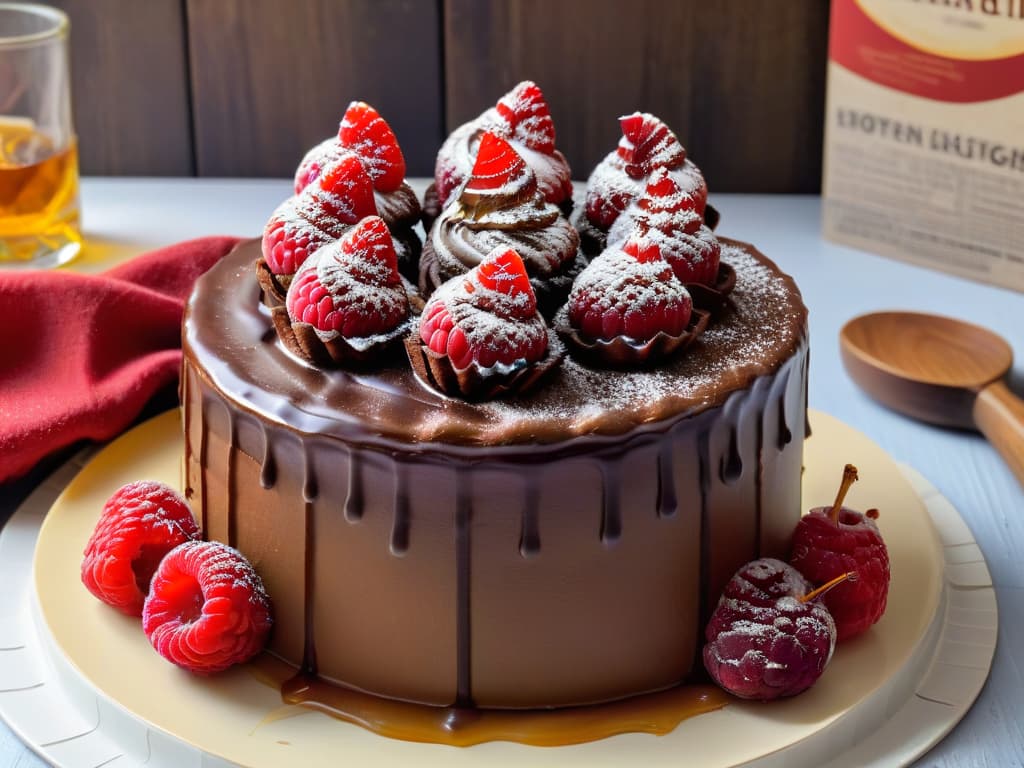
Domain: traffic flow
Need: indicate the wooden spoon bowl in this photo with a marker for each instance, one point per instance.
(940, 370)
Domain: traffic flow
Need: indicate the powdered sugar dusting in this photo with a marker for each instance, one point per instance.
(610, 190)
(616, 280)
(527, 117)
(766, 306)
(458, 152)
(647, 143)
(492, 318)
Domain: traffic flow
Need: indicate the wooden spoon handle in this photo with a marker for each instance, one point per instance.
(999, 415)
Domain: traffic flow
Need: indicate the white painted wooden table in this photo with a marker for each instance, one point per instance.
(126, 216)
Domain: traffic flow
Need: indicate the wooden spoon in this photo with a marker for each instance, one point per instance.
(939, 370)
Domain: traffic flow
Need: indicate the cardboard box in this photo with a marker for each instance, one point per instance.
(924, 133)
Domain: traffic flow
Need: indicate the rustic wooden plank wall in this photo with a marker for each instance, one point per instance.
(269, 79)
(129, 85)
(242, 87)
(741, 82)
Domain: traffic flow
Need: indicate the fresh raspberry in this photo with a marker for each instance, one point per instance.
(630, 292)
(352, 287)
(488, 316)
(343, 192)
(498, 168)
(315, 160)
(768, 637)
(207, 609)
(527, 117)
(667, 214)
(288, 239)
(647, 143)
(829, 541)
(366, 133)
(320, 214)
(140, 523)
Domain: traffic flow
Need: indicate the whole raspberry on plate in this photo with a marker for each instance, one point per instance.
(832, 540)
(207, 609)
(347, 302)
(139, 524)
(769, 636)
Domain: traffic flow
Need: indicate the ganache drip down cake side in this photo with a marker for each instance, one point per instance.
(547, 548)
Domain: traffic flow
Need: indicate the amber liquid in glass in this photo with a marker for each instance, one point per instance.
(38, 196)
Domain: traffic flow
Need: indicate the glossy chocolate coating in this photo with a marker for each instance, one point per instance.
(556, 549)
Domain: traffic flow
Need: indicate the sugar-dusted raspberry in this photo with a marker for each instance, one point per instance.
(288, 239)
(647, 143)
(522, 118)
(487, 316)
(499, 172)
(341, 195)
(829, 541)
(139, 524)
(207, 609)
(367, 134)
(667, 215)
(351, 287)
(629, 292)
(769, 636)
(527, 118)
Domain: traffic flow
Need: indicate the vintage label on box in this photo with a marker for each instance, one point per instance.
(924, 136)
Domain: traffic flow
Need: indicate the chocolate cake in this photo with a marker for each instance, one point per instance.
(546, 549)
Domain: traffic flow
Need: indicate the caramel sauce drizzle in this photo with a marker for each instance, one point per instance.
(654, 713)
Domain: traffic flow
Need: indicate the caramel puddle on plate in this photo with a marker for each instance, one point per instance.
(655, 713)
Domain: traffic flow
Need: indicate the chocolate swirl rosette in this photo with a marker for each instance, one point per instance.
(522, 118)
(501, 206)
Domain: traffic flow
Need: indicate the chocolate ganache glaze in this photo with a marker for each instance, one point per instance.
(556, 549)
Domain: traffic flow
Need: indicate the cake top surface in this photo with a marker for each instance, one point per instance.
(230, 337)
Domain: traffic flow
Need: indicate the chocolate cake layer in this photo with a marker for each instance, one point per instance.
(544, 551)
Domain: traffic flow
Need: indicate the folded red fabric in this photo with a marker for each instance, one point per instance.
(80, 355)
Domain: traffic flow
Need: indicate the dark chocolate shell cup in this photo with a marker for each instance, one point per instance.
(302, 340)
(476, 383)
(624, 352)
(714, 298)
(273, 288)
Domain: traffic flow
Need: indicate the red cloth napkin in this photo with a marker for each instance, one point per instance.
(80, 355)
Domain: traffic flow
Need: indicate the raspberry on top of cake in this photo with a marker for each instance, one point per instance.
(500, 205)
(647, 144)
(522, 118)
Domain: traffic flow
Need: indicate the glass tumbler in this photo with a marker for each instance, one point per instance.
(39, 216)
